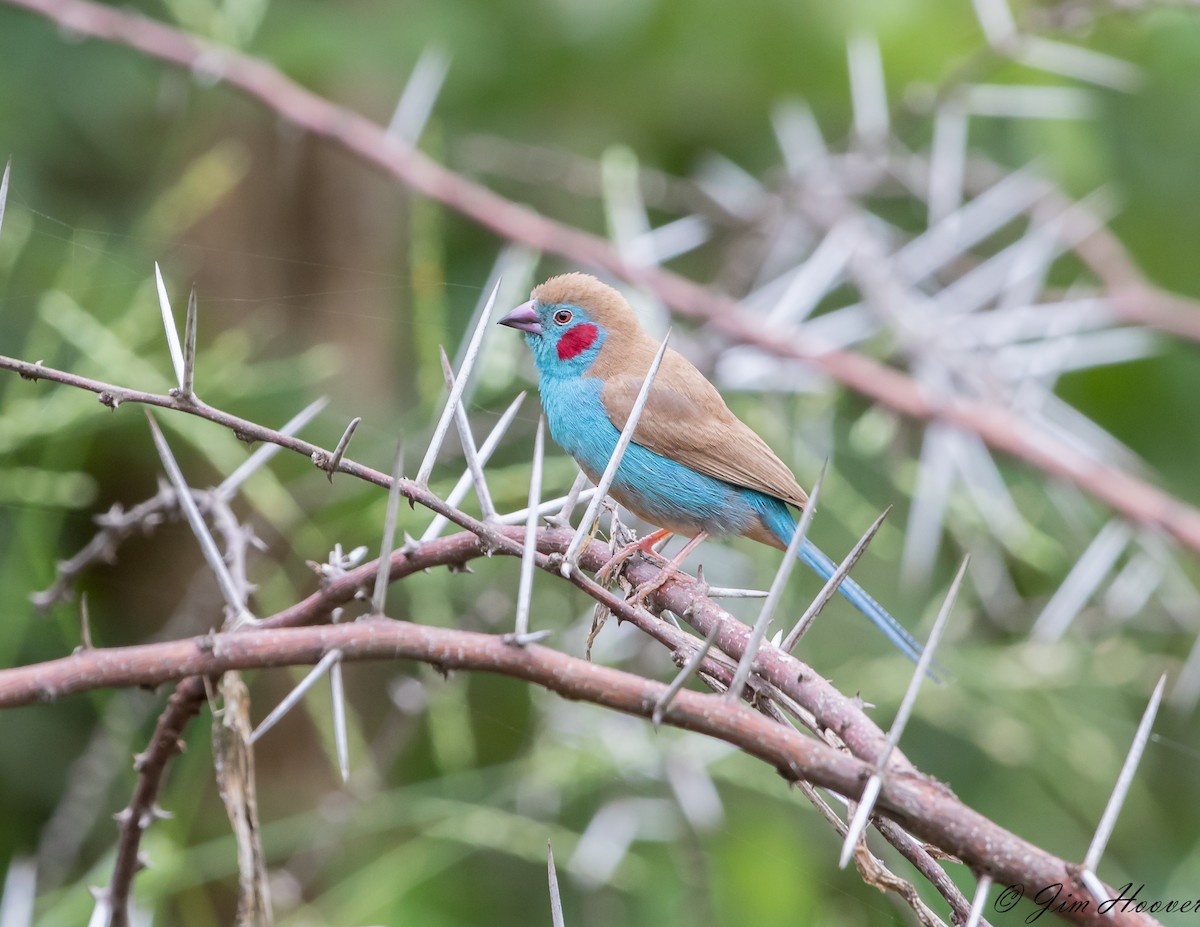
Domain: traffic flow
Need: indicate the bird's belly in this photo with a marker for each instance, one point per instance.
(657, 489)
(680, 506)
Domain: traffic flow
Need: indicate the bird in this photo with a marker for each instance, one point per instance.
(693, 467)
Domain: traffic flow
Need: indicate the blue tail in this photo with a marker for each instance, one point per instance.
(861, 599)
(778, 520)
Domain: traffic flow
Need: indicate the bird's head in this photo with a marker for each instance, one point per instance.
(569, 319)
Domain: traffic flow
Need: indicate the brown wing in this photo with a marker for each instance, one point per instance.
(687, 420)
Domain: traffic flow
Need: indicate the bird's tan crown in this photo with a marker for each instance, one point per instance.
(606, 306)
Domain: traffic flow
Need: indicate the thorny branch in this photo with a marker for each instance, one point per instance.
(921, 805)
(1004, 430)
(118, 523)
(779, 675)
(823, 708)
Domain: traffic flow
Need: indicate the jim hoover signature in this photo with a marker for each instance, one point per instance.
(1129, 899)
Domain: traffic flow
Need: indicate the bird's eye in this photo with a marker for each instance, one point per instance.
(563, 316)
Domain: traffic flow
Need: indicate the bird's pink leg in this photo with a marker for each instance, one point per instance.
(642, 545)
(670, 569)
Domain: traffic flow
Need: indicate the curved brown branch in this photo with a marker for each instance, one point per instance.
(976, 840)
(923, 806)
(1125, 493)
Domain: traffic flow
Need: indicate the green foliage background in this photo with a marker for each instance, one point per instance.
(316, 275)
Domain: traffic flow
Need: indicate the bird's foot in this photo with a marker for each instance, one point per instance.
(652, 585)
(669, 571)
(644, 546)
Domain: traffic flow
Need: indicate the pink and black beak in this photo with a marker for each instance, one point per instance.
(524, 318)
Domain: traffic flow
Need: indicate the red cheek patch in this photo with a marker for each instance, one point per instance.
(577, 340)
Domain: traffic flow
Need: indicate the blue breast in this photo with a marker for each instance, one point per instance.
(662, 491)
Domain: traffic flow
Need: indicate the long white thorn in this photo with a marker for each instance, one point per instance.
(610, 471)
(1109, 819)
(997, 21)
(4, 190)
(187, 387)
(798, 135)
(862, 813)
(1089, 571)
(868, 90)
(947, 161)
(230, 484)
(982, 887)
(19, 892)
(419, 96)
(233, 595)
(337, 694)
(545, 509)
(817, 275)
(464, 373)
(379, 597)
(1080, 63)
(866, 803)
(525, 588)
(490, 443)
(474, 466)
(775, 594)
(556, 910)
(831, 585)
(563, 518)
(730, 592)
(102, 912)
(681, 678)
(290, 700)
(168, 317)
(85, 626)
(339, 452)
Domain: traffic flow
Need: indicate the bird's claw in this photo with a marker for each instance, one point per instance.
(644, 546)
(651, 585)
(606, 573)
